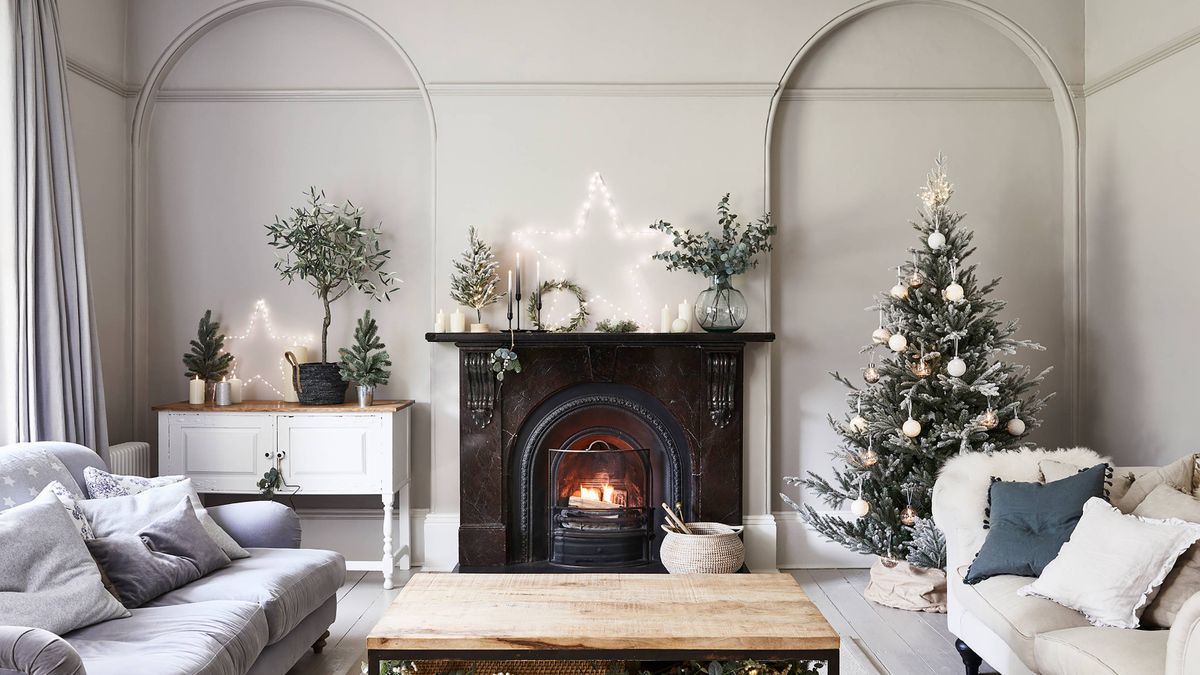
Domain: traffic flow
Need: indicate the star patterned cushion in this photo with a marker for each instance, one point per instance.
(104, 485)
(24, 472)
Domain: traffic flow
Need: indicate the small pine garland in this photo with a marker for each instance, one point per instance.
(576, 320)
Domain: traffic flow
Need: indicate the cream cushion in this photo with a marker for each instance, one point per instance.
(1101, 651)
(1015, 619)
(1177, 474)
(1184, 580)
(1112, 584)
(1116, 487)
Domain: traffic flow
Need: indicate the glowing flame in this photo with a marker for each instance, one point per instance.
(604, 494)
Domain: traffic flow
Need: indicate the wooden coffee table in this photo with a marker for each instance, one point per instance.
(602, 617)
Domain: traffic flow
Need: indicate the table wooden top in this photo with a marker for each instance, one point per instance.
(602, 612)
(282, 407)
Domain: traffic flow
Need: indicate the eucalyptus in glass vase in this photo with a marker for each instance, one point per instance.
(720, 308)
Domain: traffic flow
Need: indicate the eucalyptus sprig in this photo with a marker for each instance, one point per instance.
(724, 256)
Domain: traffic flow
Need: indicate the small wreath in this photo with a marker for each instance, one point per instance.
(576, 320)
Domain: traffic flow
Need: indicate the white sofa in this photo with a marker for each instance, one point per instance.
(1021, 635)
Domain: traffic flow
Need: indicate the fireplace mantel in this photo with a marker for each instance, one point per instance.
(631, 339)
(680, 393)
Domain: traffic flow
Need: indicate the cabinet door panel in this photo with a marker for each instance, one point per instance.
(333, 454)
(220, 453)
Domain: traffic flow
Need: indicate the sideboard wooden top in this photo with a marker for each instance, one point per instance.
(282, 407)
(603, 612)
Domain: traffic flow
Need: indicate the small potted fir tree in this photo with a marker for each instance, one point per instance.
(366, 361)
(327, 246)
(474, 282)
(206, 361)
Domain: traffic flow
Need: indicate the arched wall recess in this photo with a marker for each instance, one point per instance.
(1064, 107)
(139, 142)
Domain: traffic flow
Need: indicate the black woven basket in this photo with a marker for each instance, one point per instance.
(318, 383)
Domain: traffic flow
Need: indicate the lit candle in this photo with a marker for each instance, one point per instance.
(196, 391)
(510, 293)
(235, 389)
(439, 322)
(537, 280)
(665, 321)
(458, 321)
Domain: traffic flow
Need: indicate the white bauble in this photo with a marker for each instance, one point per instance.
(858, 424)
(898, 342)
(860, 507)
(911, 428)
(954, 292)
(1016, 426)
(936, 240)
(679, 326)
(956, 367)
(899, 291)
(881, 335)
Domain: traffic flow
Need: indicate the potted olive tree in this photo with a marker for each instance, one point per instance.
(327, 246)
(366, 361)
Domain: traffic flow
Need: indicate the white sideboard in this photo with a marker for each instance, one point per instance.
(319, 450)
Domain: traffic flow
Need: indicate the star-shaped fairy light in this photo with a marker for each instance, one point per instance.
(254, 362)
(538, 240)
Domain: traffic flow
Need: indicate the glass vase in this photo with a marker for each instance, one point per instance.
(720, 308)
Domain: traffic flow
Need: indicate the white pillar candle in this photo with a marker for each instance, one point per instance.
(196, 391)
(235, 390)
(665, 320)
(685, 313)
(458, 322)
(439, 322)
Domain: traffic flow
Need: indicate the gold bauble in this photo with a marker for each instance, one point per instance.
(868, 458)
(915, 279)
(921, 368)
(870, 375)
(908, 515)
(989, 420)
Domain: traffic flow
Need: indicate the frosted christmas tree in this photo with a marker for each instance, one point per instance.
(937, 385)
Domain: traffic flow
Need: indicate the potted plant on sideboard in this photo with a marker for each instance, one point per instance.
(366, 361)
(327, 246)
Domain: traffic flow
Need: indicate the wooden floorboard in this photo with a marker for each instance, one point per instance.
(893, 641)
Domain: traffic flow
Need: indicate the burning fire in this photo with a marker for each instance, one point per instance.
(604, 494)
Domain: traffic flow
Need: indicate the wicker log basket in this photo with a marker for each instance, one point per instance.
(701, 548)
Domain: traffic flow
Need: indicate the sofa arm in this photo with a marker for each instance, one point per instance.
(34, 651)
(261, 524)
(1183, 641)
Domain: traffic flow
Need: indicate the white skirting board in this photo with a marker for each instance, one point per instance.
(355, 533)
(801, 548)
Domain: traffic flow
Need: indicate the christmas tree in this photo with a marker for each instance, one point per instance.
(206, 360)
(937, 385)
(473, 283)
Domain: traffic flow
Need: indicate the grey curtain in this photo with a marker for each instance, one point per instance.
(53, 389)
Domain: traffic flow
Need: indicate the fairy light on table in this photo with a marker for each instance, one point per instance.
(598, 192)
(283, 341)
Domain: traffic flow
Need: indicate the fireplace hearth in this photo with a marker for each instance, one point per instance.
(565, 465)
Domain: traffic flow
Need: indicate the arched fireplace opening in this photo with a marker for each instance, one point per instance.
(589, 468)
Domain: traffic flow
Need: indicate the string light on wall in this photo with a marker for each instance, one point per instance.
(534, 239)
(280, 343)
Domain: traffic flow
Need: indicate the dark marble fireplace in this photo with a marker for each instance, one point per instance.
(566, 464)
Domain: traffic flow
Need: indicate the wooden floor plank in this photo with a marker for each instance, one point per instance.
(926, 642)
(884, 643)
(813, 590)
(357, 614)
(352, 579)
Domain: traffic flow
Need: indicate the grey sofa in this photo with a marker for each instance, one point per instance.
(259, 615)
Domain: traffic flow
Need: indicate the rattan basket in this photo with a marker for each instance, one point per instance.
(712, 548)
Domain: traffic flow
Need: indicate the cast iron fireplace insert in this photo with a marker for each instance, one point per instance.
(600, 515)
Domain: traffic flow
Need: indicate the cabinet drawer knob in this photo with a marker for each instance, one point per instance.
(280, 455)
(267, 455)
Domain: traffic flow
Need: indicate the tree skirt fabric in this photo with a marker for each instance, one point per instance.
(904, 586)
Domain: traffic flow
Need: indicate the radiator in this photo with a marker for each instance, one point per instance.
(130, 459)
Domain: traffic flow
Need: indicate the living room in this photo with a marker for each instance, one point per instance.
(426, 308)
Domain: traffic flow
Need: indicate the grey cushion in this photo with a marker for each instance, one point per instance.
(171, 551)
(205, 638)
(1029, 523)
(128, 514)
(287, 583)
(25, 471)
(1183, 582)
(47, 578)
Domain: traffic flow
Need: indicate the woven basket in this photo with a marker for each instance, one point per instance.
(712, 548)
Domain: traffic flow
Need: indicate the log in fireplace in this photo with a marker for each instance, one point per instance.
(565, 465)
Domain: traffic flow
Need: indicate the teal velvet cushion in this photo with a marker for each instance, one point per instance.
(1029, 523)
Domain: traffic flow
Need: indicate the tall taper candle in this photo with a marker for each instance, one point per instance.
(510, 294)
(518, 277)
